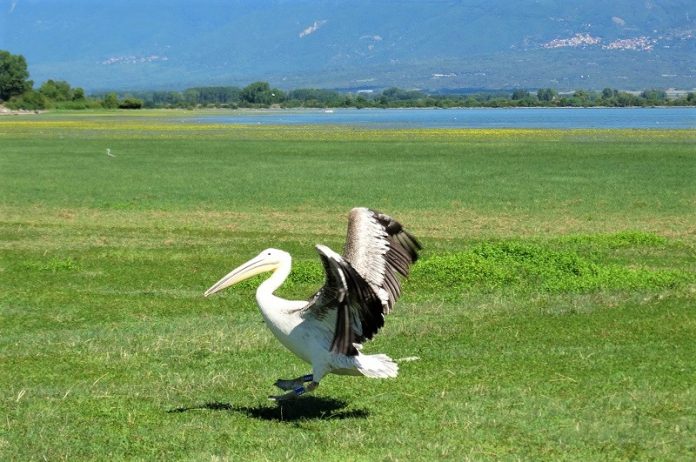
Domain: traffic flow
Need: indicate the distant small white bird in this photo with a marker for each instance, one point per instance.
(108, 153)
(328, 330)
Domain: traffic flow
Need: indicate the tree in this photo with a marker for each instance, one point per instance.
(13, 75)
(546, 94)
(397, 94)
(654, 96)
(78, 94)
(110, 101)
(260, 93)
(29, 100)
(624, 99)
(361, 102)
(520, 94)
(315, 97)
(582, 98)
(609, 93)
(131, 103)
(57, 90)
(256, 93)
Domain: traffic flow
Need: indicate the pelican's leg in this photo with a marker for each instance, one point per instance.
(291, 384)
(296, 392)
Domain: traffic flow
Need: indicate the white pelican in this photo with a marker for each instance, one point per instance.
(361, 287)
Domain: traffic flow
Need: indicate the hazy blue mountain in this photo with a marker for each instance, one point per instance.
(138, 44)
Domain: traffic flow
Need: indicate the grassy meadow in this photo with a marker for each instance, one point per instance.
(552, 311)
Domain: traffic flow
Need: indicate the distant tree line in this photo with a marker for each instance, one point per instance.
(17, 91)
(261, 95)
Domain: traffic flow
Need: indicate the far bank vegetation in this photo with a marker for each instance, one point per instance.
(18, 92)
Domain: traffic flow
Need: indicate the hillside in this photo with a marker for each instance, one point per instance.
(425, 44)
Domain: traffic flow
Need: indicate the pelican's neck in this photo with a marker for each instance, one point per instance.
(264, 294)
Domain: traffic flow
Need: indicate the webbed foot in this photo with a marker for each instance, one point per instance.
(295, 392)
(291, 384)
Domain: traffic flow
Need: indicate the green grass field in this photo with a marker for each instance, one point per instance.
(552, 310)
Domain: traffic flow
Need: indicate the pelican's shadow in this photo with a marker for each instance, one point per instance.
(306, 408)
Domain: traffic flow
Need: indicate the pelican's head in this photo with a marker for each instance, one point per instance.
(268, 260)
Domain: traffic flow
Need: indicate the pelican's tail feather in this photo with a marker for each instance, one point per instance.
(377, 366)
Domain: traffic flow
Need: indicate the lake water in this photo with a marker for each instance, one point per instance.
(661, 117)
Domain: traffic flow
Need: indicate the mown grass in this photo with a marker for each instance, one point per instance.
(552, 310)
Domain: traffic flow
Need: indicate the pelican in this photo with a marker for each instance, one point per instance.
(328, 330)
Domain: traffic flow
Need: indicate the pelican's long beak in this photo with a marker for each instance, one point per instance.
(251, 268)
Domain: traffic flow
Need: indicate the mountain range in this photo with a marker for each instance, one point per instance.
(426, 44)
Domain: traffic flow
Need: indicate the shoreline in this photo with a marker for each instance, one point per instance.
(11, 112)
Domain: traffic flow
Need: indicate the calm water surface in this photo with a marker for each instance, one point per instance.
(470, 118)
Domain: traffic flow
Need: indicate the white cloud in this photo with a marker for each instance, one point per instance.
(313, 28)
(618, 21)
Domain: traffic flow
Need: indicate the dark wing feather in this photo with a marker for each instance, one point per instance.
(379, 249)
(358, 309)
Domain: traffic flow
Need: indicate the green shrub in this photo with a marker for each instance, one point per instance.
(131, 103)
(30, 100)
(531, 267)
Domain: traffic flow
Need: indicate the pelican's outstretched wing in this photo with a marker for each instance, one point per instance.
(358, 309)
(379, 248)
(363, 285)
